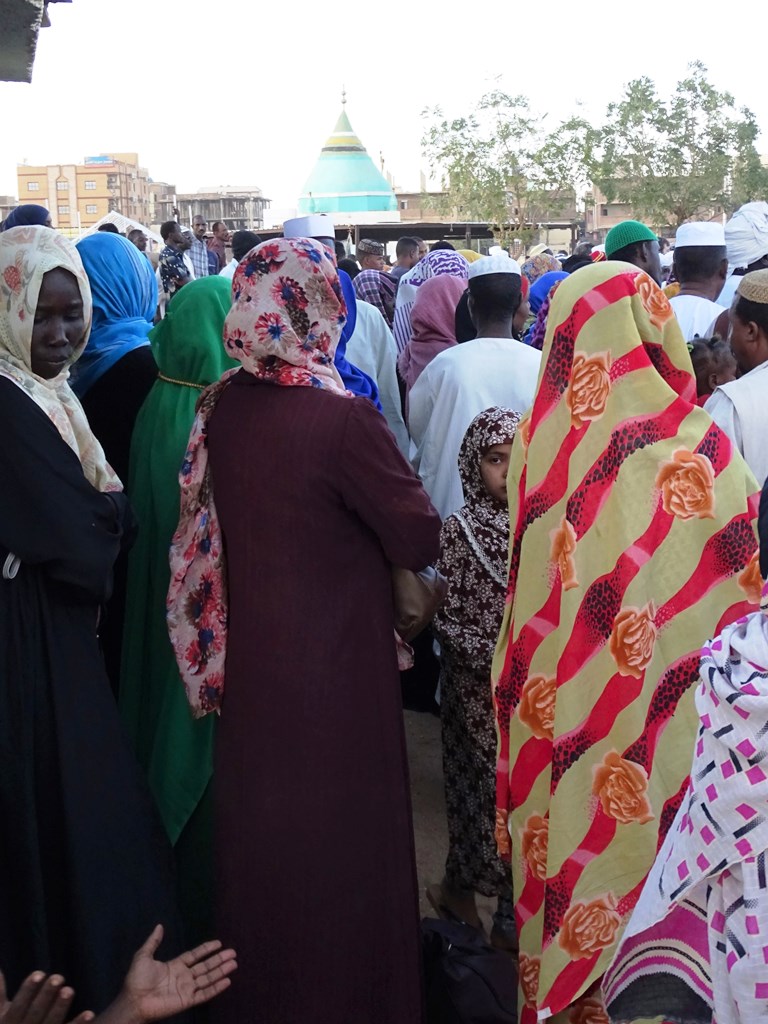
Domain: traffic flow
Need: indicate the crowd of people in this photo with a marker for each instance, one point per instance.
(213, 462)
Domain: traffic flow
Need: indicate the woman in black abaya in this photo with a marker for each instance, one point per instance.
(84, 867)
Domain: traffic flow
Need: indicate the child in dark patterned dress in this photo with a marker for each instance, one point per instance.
(473, 557)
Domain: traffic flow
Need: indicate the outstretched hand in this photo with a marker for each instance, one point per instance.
(40, 1000)
(153, 989)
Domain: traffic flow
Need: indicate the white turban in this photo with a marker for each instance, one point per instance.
(746, 235)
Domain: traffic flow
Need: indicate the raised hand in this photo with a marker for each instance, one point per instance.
(40, 1000)
(154, 990)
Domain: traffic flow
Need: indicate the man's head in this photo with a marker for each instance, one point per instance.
(700, 256)
(442, 244)
(495, 290)
(243, 242)
(748, 333)
(220, 231)
(138, 238)
(199, 227)
(370, 254)
(632, 242)
(407, 252)
(746, 236)
(423, 247)
(112, 229)
(713, 364)
(187, 239)
(170, 232)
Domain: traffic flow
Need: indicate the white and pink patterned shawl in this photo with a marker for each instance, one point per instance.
(441, 261)
(714, 860)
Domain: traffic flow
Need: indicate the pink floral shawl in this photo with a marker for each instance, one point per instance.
(285, 322)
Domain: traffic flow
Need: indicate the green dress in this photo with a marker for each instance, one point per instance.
(175, 750)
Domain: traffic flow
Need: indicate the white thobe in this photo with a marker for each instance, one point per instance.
(453, 388)
(696, 315)
(740, 409)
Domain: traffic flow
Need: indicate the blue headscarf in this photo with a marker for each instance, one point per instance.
(355, 380)
(540, 289)
(27, 213)
(124, 294)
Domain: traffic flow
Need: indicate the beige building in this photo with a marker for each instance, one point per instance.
(78, 195)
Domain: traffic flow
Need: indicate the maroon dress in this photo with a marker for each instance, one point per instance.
(315, 876)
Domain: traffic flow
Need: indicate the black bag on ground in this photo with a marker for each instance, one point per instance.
(466, 981)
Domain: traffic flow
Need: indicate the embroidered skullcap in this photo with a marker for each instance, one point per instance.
(498, 264)
(700, 232)
(754, 287)
(316, 225)
(625, 233)
(369, 247)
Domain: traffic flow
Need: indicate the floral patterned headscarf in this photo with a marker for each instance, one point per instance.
(27, 254)
(285, 322)
(287, 314)
(537, 266)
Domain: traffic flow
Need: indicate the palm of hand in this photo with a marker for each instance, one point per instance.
(158, 989)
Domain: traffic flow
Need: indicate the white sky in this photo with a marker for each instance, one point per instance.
(243, 92)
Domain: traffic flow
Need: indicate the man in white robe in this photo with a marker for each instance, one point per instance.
(372, 349)
(746, 239)
(701, 267)
(492, 370)
(740, 408)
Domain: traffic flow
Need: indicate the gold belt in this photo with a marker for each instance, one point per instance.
(184, 383)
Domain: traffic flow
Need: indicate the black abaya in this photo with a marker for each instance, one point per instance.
(84, 865)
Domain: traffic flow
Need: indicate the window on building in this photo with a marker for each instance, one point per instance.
(63, 209)
(62, 186)
(90, 185)
(91, 208)
(403, 204)
(33, 186)
(604, 211)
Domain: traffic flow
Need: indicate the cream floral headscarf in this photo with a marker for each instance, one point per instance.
(26, 255)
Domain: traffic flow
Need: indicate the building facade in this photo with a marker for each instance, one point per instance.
(240, 207)
(78, 195)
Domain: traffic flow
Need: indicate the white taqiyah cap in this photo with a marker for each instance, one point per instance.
(537, 250)
(700, 232)
(316, 225)
(498, 264)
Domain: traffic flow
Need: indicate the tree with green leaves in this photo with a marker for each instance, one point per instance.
(677, 159)
(498, 164)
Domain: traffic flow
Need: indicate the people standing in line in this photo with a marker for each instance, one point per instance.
(350, 507)
(432, 265)
(740, 407)
(632, 537)
(407, 256)
(173, 271)
(198, 251)
(370, 254)
(175, 751)
(633, 242)
(700, 264)
(218, 243)
(242, 243)
(85, 870)
(473, 558)
(461, 381)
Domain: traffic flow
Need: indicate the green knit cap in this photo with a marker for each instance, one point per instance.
(626, 233)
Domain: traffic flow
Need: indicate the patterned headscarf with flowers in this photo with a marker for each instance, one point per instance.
(285, 322)
(27, 254)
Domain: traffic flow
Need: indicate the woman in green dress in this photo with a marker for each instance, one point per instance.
(175, 750)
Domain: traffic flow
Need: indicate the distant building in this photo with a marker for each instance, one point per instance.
(241, 207)
(78, 195)
(7, 203)
(346, 182)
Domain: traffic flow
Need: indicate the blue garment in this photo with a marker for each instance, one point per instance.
(355, 380)
(124, 294)
(540, 289)
(27, 213)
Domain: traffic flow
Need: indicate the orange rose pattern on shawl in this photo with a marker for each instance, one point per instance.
(632, 534)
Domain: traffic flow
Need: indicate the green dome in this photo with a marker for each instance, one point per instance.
(345, 179)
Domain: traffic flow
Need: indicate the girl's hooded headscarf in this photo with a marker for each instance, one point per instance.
(485, 520)
(537, 266)
(441, 261)
(26, 256)
(378, 288)
(124, 292)
(27, 215)
(287, 316)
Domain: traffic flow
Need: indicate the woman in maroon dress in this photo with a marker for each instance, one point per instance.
(282, 589)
